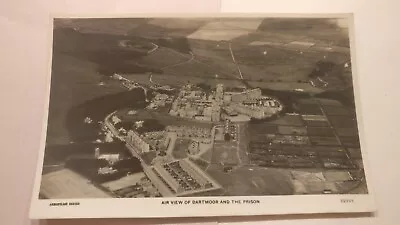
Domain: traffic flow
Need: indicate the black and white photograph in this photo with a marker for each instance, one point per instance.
(201, 107)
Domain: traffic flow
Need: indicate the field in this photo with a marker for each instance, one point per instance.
(207, 40)
(201, 163)
(124, 181)
(68, 184)
(224, 153)
(310, 109)
(115, 26)
(263, 129)
(317, 123)
(180, 148)
(320, 131)
(334, 110)
(252, 181)
(163, 57)
(347, 132)
(343, 121)
(285, 86)
(216, 30)
(291, 141)
(289, 120)
(353, 142)
(288, 130)
(316, 140)
(206, 156)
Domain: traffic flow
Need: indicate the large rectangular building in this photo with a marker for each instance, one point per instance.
(136, 141)
(255, 112)
(167, 177)
(179, 178)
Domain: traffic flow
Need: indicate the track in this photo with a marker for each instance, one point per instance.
(234, 61)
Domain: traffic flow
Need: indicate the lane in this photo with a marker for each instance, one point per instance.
(234, 61)
(238, 144)
(181, 63)
(123, 43)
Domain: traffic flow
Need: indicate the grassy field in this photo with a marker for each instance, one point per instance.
(289, 130)
(116, 26)
(289, 120)
(201, 163)
(180, 148)
(225, 153)
(206, 156)
(163, 57)
(285, 86)
(252, 181)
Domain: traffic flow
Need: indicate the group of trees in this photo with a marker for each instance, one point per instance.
(151, 125)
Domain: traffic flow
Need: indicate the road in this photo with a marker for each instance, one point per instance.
(122, 43)
(234, 61)
(180, 63)
(238, 144)
(111, 127)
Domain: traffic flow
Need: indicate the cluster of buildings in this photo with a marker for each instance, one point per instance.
(193, 103)
(147, 142)
(125, 82)
(160, 87)
(251, 103)
(157, 139)
(159, 100)
(136, 141)
(110, 157)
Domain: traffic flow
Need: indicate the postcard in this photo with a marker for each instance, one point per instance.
(193, 116)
